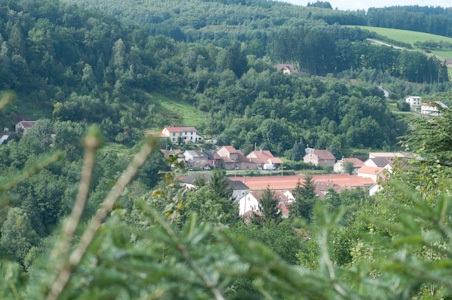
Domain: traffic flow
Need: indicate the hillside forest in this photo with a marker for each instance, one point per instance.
(89, 209)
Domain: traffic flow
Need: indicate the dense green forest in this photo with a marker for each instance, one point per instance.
(73, 65)
(80, 220)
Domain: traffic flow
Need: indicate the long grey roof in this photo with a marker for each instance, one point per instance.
(380, 161)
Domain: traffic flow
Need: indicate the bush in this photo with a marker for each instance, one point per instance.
(403, 106)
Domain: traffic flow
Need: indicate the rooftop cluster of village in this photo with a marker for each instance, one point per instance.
(247, 190)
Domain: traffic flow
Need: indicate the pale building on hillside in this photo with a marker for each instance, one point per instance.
(432, 108)
(413, 100)
(23, 126)
(186, 134)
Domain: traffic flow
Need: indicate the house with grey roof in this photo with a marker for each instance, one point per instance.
(239, 189)
(196, 158)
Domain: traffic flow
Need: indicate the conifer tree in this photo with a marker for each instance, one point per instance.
(268, 206)
(219, 185)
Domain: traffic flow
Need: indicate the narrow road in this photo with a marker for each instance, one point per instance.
(385, 44)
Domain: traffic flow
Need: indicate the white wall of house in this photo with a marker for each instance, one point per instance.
(238, 194)
(370, 163)
(414, 100)
(248, 202)
(374, 189)
(374, 177)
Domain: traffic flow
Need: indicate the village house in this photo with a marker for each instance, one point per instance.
(23, 126)
(377, 162)
(239, 189)
(432, 108)
(377, 174)
(234, 159)
(213, 159)
(413, 100)
(186, 134)
(320, 158)
(322, 188)
(196, 158)
(250, 202)
(287, 69)
(264, 157)
(339, 166)
(448, 62)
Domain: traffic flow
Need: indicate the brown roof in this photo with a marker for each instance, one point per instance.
(290, 182)
(322, 187)
(288, 66)
(188, 129)
(27, 124)
(324, 154)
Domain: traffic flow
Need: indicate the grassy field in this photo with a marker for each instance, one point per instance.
(177, 112)
(392, 105)
(407, 36)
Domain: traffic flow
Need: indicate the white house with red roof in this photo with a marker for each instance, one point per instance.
(357, 164)
(250, 202)
(23, 126)
(375, 173)
(187, 134)
(432, 108)
(264, 157)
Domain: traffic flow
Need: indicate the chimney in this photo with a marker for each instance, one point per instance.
(261, 150)
(244, 179)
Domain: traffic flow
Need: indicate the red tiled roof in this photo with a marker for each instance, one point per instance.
(263, 157)
(290, 182)
(284, 209)
(324, 154)
(278, 195)
(370, 170)
(174, 129)
(276, 160)
(357, 163)
(230, 149)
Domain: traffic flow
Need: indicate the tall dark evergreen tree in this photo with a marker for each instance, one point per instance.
(219, 185)
(268, 207)
(304, 199)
